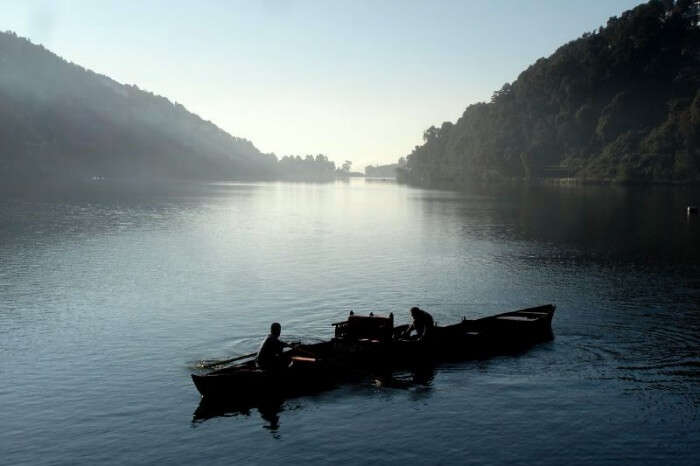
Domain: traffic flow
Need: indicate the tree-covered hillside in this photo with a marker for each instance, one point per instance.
(62, 123)
(619, 104)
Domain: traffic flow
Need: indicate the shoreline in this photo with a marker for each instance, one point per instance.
(560, 182)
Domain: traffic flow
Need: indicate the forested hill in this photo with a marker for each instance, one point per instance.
(620, 104)
(61, 123)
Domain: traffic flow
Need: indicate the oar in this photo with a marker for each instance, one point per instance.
(305, 351)
(219, 363)
(226, 361)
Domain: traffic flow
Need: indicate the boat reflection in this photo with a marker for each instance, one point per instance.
(208, 409)
(269, 410)
(270, 407)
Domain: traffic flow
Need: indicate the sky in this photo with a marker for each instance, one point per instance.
(355, 80)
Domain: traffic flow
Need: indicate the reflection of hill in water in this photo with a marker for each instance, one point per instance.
(597, 224)
(620, 263)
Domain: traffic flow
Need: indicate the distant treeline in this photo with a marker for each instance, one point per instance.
(309, 167)
(620, 104)
(381, 171)
(61, 123)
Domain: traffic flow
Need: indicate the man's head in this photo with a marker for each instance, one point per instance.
(276, 329)
(414, 311)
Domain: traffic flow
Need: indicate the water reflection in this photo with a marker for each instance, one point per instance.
(622, 263)
(643, 225)
(421, 377)
(269, 410)
(271, 407)
(190, 276)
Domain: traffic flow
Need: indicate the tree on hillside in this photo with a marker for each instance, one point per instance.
(615, 104)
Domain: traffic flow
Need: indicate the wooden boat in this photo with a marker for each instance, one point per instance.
(500, 333)
(366, 344)
(310, 367)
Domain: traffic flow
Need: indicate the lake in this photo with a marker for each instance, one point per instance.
(108, 301)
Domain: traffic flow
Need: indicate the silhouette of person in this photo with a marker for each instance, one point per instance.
(270, 356)
(422, 323)
(270, 412)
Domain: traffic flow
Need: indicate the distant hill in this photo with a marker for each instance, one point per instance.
(60, 123)
(620, 104)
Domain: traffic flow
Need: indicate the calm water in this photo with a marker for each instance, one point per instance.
(106, 306)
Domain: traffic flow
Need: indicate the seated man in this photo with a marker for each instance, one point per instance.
(270, 356)
(422, 323)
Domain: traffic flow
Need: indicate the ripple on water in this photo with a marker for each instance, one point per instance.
(646, 352)
(105, 308)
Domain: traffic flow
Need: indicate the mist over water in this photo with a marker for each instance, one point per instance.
(106, 306)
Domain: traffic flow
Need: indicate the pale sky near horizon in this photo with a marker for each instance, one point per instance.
(355, 80)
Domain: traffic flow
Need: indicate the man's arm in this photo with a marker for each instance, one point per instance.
(408, 331)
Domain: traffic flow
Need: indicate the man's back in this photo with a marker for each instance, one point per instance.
(270, 352)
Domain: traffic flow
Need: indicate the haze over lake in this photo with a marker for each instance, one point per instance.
(107, 302)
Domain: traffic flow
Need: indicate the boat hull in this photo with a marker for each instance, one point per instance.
(254, 383)
(341, 359)
(468, 339)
